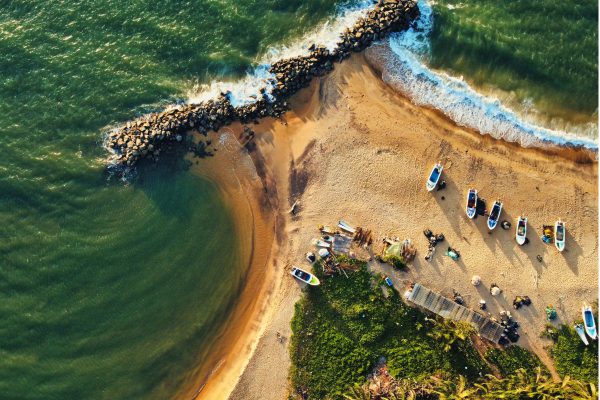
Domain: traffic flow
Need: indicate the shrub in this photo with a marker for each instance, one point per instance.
(513, 358)
(573, 358)
(395, 261)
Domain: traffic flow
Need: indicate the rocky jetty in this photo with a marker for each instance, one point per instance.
(144, 137)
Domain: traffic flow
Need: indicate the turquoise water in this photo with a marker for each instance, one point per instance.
(111, 290)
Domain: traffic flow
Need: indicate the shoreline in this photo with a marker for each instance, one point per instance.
(576, 153)
(340, 93)
(236, 179)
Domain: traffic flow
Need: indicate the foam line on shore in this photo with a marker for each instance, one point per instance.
(404, 68)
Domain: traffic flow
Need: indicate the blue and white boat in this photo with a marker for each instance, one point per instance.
(434, 177)
(589, 322)
(559, 235)
(494, 217)
(472, 203)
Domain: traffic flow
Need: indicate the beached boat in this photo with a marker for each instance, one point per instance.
(494, 215)
(321, 243)
(328, 238)
(559, 235)
(345, 226)
(581, 332)
(305, 276)
(434, 177)
(472, 203)
(521, 235)
(323, 253)
(310, 257)
(589, 322)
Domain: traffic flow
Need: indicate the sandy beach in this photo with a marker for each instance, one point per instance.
(353, 148)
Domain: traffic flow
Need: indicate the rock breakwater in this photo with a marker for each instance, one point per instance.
(143, 138)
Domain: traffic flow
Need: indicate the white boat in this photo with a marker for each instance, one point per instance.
(581, 332)
(589, 322)
(345, 226)
(492, 221)
(472, 203)
(559, 235)
(304, 276)
(323, 253)
(521, 235)
(321, 243)
(434, 177)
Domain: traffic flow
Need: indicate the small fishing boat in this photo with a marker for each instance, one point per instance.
(305, 276)
(472, 203)
(321, 243)
(589, 322)
(559, 235)
(310, 257)
(581, 332)
(323, 253)
(345, 226)
(388, 281)
(521, 235)
(494, 215)
(434, 177)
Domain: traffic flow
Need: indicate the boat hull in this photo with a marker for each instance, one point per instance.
(493, 223)
(559, 244)
(581, 332)
(433, 180)
(305, 277)
(520, 238)
(471, 211)
(589, 322)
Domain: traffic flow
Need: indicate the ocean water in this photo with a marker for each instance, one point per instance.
(111, 290)
(518, 71)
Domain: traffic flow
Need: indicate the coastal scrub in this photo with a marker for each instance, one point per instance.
(343, 327)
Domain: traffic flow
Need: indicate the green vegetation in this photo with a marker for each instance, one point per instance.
(513, 358)
(343, 328)
(395, 261)
(572, 357)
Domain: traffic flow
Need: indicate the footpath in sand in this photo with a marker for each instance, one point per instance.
(361, 152)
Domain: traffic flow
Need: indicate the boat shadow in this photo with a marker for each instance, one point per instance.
(572, 252)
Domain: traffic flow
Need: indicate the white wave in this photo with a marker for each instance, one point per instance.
(408, 73)
(247, 90)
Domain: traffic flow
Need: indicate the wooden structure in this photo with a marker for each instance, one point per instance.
(446, 308)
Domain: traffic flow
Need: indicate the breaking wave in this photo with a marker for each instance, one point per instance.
(405, 69)
(246, 90)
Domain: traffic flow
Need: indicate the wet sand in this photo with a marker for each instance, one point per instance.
(352, 148)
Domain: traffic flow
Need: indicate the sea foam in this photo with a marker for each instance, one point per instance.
(405, 69)
(247, 89)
